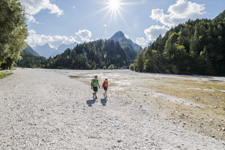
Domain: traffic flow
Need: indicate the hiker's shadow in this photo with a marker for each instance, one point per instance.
(104, 101)
(91, 102)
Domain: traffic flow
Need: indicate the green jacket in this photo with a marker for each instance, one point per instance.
(94, 83)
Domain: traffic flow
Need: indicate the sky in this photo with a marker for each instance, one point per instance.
(59, 22)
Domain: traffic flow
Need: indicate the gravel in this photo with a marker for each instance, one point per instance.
(45, 109)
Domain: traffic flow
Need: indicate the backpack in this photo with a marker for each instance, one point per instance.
(105, 84)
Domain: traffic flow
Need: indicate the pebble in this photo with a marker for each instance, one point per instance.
(119, 141)
(197, 98)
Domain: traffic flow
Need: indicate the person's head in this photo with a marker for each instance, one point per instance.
(106, 80)
(96, 77)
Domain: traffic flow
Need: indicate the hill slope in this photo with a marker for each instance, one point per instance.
(220, 17)
(93, 55)
(30, 50)
(196, 47)
(30, 61)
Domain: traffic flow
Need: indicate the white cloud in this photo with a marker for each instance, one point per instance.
(31, 32)
(154, 31)
(105, 25)
(141, 41)
(33, 7)
(35, 39)
(178, 13)
(31, 19)
(74, 7)
(84, 35)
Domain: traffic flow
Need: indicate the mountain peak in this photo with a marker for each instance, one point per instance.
(118, 36)
(120, 33)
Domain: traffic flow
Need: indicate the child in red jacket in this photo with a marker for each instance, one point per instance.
(105, 86)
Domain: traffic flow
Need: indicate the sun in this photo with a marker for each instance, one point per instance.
(114, 9)
(114, 4)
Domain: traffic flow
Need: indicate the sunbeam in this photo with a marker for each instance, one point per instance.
(114, 9)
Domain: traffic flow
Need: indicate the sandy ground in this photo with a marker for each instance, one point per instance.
(54, 109)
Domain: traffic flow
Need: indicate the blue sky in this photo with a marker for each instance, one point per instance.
(59, 22)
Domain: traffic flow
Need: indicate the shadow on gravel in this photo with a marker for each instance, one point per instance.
(104, 101)
(91, 102)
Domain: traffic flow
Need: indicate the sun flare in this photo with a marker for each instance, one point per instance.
(114, 9)
(114, 4)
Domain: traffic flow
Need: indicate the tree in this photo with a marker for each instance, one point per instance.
(195, 47)
(139, 63)
(13, 32)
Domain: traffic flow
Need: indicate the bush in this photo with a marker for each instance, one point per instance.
(132, 67)
(111, 66)
(4, 74)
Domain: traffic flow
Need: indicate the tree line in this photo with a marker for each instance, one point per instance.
(195, 47)
(100, 54)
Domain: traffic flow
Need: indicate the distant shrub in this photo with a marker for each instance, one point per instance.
(132, 67)
(111, 66)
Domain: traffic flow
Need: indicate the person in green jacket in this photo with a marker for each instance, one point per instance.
(95, 85)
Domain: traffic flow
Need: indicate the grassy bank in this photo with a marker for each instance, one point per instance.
(4, 74)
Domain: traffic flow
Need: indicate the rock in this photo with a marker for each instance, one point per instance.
(119, 141)
(197, 98)
(223, 129)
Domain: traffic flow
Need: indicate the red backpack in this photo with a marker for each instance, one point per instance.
(105, 84)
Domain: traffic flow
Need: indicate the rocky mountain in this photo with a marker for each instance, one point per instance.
(62, 48)
(120, 36)
(46, 51)
(30, 50)
(128, 45)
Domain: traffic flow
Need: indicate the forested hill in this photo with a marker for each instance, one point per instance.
(220, 17)
(196, 47)
(29, 60)
(93, 55)
(100, 54)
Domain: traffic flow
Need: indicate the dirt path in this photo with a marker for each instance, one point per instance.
(45, 109)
